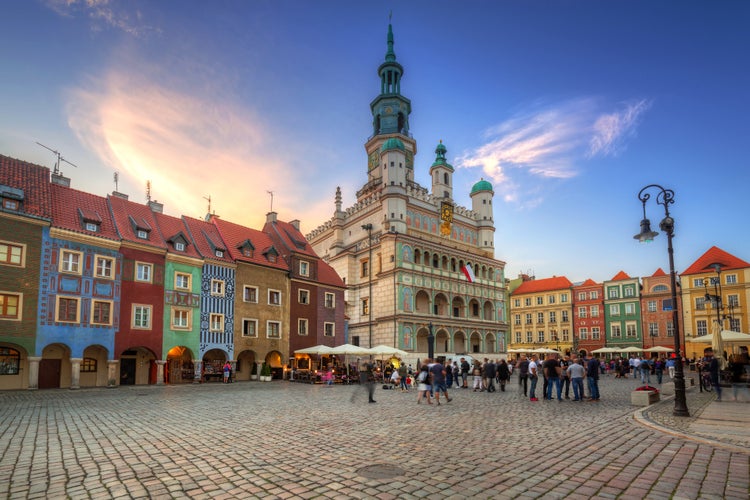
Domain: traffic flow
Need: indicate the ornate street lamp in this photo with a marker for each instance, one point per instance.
(430, 342)
(665, 197)
(368, 228)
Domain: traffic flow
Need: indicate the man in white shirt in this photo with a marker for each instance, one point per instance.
(533, 376)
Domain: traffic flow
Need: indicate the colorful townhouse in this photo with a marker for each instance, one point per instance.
(315, 290)
(657, 309)
(217, 296)
(25, 213)
(541, 312)
(79, 293)
(182, 300)
(622, 311)
(716, 272)
(139, 344)
(588, 316)
(262, 297)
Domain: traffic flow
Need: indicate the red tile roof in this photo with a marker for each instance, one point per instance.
(33, 179)
(328, 276)
(622, 275)
(659, 272)
(71, 207)
(172, 227)
(128, 214)
(589, 282)
(543, 285)
(235, 235)
(715, 255)
(207, 239)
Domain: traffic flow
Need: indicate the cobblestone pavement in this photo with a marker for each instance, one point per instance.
(289, 440)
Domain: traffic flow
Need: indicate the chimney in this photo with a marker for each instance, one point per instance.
(270, 217)
(155, 206)
(295, 224)
(60, 180)
(117, 194)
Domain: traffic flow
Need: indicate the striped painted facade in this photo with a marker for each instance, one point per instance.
(219, 305)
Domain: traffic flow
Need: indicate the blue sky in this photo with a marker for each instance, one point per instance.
(569, 108)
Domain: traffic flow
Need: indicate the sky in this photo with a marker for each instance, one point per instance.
(569, 108)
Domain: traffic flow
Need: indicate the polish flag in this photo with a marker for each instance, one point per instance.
(469, 273)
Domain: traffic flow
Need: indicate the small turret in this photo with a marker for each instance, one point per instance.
(442, 174)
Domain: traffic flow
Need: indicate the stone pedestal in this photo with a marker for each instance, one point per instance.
(644, 398)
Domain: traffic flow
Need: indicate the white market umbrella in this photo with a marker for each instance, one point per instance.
(631, 348)
(604, 350)
(659, 348)
(347, 349)
(726, 335)
(384, 350)
(316, 349)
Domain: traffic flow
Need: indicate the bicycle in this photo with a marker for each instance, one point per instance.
(708, 386)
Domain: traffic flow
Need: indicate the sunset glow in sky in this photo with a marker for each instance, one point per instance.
(568, 108)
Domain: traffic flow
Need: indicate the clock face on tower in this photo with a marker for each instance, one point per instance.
(446, 212)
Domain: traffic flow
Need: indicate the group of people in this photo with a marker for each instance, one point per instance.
(562, 374)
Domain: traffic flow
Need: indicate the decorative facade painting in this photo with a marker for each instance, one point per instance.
(408, 338)
(407, 299)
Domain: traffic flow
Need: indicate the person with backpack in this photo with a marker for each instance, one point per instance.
(423, 385)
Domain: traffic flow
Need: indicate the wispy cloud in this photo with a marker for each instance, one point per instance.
(548, 142)
(186, 145)
(105, 14)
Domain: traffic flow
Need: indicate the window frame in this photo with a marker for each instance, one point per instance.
(77, 301)
(330, 304)
(135, 323)
(110, 261)
(216, 319)
(269, 324)
(615, 327)
(64, 263)
(176, 313)
(180, 276)
(11, 358)
(249, 321)
(9, 254)
(110, 312)
(302, 292)
(304, 268)
(140, 265)
(329, 326)
(274, 293)
(303, 327)
(4, 307)
(89, 365)
(245, 290)
(218, 288)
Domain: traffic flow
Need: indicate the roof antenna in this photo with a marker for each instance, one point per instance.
(148, 191)
(117, 177)
(56, 171)
(271, 193)
(209, 202)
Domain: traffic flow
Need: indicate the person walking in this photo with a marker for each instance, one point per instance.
(659, 370)
(423, 385)
(490, 372)
(645, 367)
(711, 364)
(465, 368)
(592, 374)
(367, 380)
(456, 374)
(533, 376)
(576, 372)
(438, 379)
(503, 374)
(477, 373)
(227, 372)
(403, 375)
(523, 374)
(670, 367)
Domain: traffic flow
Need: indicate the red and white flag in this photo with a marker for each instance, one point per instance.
(469, 273)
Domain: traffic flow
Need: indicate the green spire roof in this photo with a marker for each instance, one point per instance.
(392, 143)
(482, 185)
(390, 56)
(440, 161)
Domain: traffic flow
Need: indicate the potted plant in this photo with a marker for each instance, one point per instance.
(265, 372)
(254, 371)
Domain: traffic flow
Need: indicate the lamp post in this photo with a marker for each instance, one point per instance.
(715, 299)
(665, 197)
(430, 342)
(368, 228)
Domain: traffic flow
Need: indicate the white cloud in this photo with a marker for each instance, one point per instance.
(105, 13)
(547, 142)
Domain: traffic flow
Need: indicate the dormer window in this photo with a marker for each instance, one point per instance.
(247, 252)
(90, 226)
(10, 204)
(179, 246)
(142, 234)
(271, 257)
(219, 253)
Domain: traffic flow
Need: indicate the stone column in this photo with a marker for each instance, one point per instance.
(75, 373)
(198, 364)
(113, 379)
(34, 372)
(160, 371)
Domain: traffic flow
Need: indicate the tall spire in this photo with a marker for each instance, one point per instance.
(390, 56)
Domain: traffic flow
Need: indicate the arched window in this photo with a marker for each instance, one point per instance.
(10, 361)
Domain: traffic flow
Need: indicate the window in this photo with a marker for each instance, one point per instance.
(630, 309)
(527, 301)
(653, 329)
(670, 329)
(594, 295)
(88, 365)
(581, 295)
(700, 303)
(594, 311)
(217, 288)
(10, 361)
(540, 336)
(566, 335)
(583, 333)
(143, 272)
(731, 279)
(304, 296)
(10, 306)
(330, 300)
(220, 253)
(273, 330)
(182, 281)
(697, 282)
(104, 267)
(613, 293)
(142, 234)
(529, 337)
(10, 204)
(630, 330)
(516, 302)
(540, 301)
(70, 262)
(304, 268)
(563, 297)
(616, 331)
(660, 288)
(517, 319)
(302, 326)
(552, 317)
(651, 306)
(702, 327)
(551, 299)
(249, 327)
(12, 255)
(595, 333)
(141, 317)
(180, 318)
(733, 300)
(91, 226)
(179, 246)
(216, 323)
(274, 297)
(365, 306)
(250, 294)
(329, 329)
(101, 312)
(565, 317)
(629, 291)
(528, 318)
(734, 324)
(540, 317)
(614, 309)
(582, 312)
(666, 305)
(364, 269)
(67, 309)
(518, 337)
